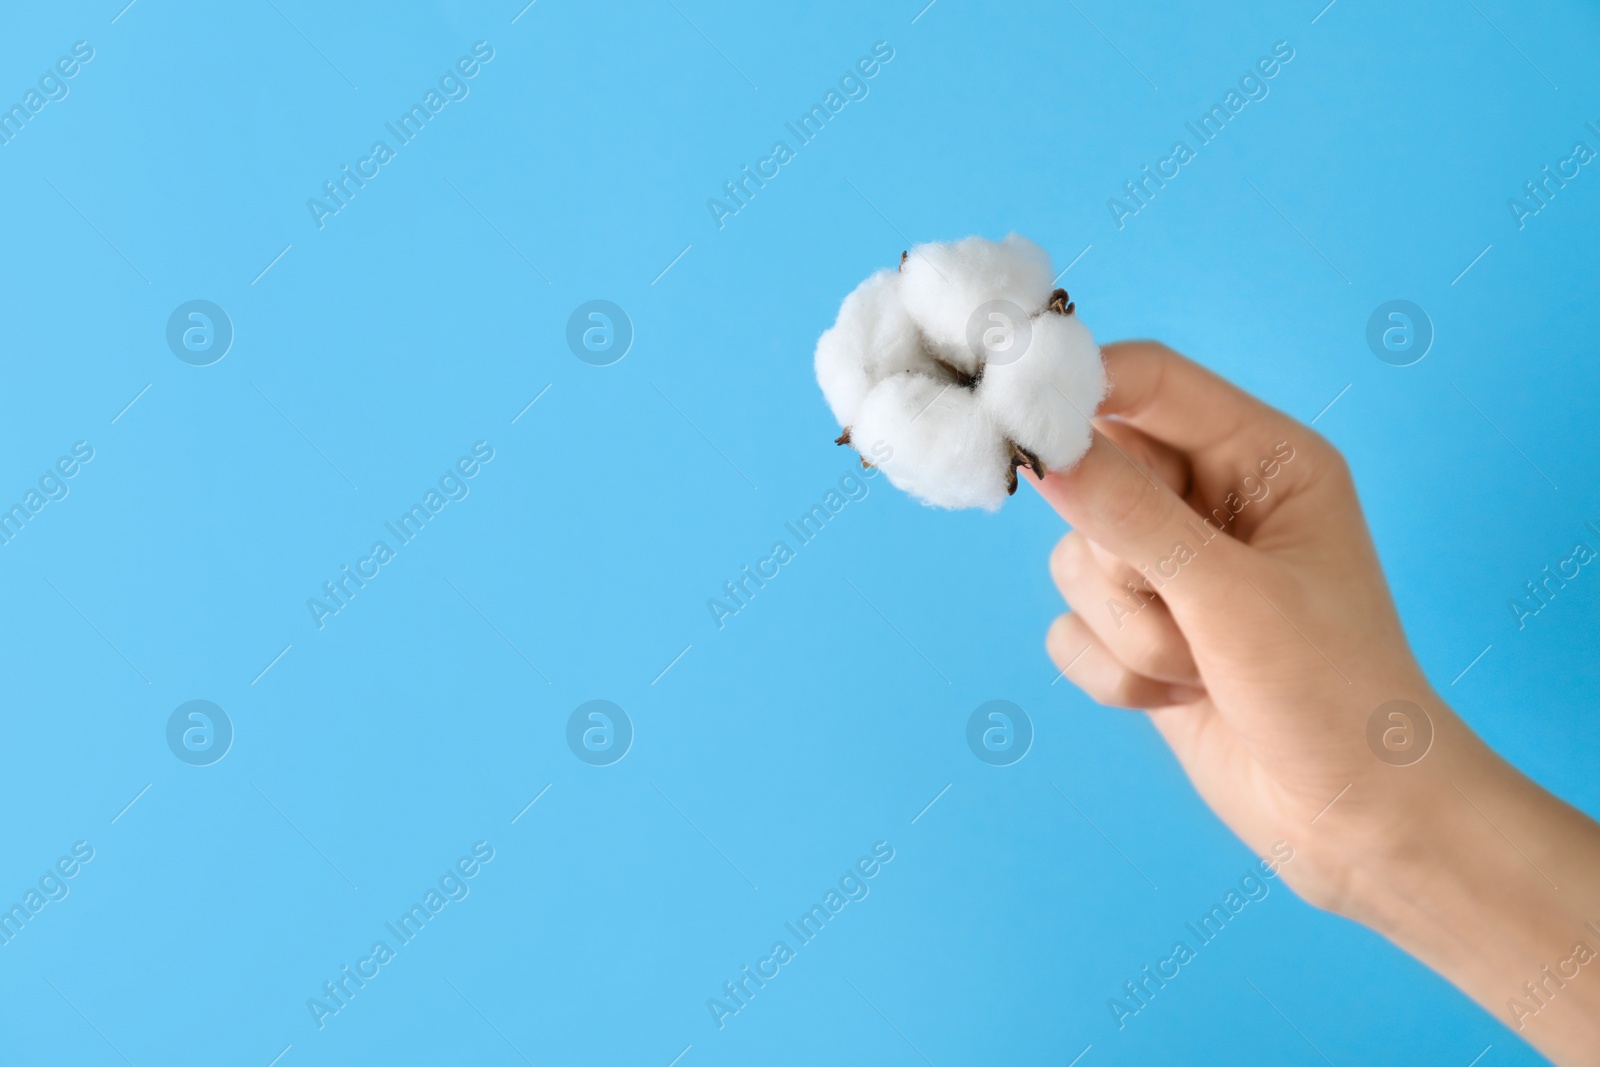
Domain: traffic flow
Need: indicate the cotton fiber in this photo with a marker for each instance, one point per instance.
(959, 368)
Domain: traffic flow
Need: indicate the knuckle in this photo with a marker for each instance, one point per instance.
(1325, 456)
(1067, 560)
(1160, 658)
(1120, 689)
(1339, 468)
(1135, 504)
(1162, 352)
(1058, 641)
(1141, 651)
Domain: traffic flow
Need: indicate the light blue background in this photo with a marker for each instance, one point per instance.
(777, 750)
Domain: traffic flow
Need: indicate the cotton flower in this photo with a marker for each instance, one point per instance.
(961, 367)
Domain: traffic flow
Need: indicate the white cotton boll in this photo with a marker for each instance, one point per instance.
(934, 441)
(872, 339)
(948, 402)
(1044, 398)
(944, 284)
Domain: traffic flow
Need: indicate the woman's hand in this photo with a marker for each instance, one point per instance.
(1221, 577)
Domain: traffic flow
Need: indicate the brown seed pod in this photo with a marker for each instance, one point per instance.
(1022, 457)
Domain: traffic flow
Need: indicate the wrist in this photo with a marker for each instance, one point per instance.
(1465, 870)
(1397, 828)
(1425, 835)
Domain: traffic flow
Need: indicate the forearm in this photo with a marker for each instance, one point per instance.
(1497, 888)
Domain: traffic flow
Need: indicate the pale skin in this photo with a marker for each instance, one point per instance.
(1260, 659)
